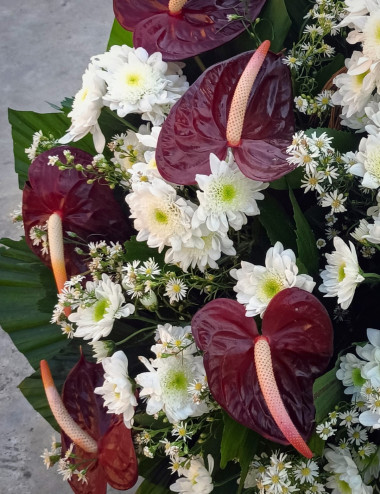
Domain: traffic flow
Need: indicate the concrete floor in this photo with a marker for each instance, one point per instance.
(45, 48)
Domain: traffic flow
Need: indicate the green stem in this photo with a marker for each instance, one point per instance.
(134, 334)
(199, 62)
(371, 277)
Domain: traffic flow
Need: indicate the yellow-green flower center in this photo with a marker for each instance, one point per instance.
(100, 309)
(228, 193)
(161, 216)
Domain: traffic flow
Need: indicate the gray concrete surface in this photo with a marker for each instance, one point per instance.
(45, 47)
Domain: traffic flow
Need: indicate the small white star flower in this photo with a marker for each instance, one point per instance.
(306, 471)
(335, 201)
(325, 430)
(175, 289)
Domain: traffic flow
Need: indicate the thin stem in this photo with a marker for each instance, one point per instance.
(200, 63)
(134, 334)
(371, 276)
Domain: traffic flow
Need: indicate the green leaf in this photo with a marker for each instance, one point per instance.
(292, 180)
(316, 444)
(119, 36)
(326, 72)
(26, 123)
(276, 222)
(307, 248)
(157, 475)
(140, 250)
(28, 295)
(297, 11)
(238, 442)
(274, 24)
(342, 141)
(327, 392)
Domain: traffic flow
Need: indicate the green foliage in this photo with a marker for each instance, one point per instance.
(28, 294)
(328, 71)
(26, 123)
(119, 36)
(327, 392)
(274, 24)
(307, 248)
(342, 141)
(140, 250)
(292, 180)
(276, 222)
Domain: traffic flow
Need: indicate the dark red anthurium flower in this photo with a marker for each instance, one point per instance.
(103, 444)
(89, 210)
(265, 381)
(203, 120)
(181, 29)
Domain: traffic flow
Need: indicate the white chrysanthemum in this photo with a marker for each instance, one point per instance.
(361, 231)
(349, 373)
(139, 83)
(166, 386)
(368, 162)
(102, 349)
(117, 390)
(371, 353)
(172, 339)
(162, 218)
(228, 196)
(195, 478)
(371, 41)
(342, 273)
(86, 109)
(354, 87)
(201, 250)
(257, 285)
(345, 475)
(95, 321)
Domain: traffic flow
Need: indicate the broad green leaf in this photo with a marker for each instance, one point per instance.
(274, 24)
(326, 72)
(148, 488)
(327, 392)
(297, 11)
(316, 444)
(307, 248)
(26, 123)
(238, 442)
(28, 295)
(140, 250)
(276, 222)
(119, 36)
(342, 141)
(157, 474)
(292, 180)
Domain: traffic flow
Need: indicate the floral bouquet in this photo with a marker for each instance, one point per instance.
(207, 209)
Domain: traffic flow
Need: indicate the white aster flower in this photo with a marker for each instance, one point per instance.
(312, 180)
(107, 304)
(342, 273)
(325, 430)
(368, 162)
(201, 250)
(227, 196)
(347, 419)
(175, 289)
(357, 435)
(257, 285)
(324, 99)
(335, 201)
(344, 472)
(301, 104)
(139, 83)
(172, 340)
(86, 109)
(306, 471)
(117, 390)
(195, 477)
(162, 218)
(166, 386)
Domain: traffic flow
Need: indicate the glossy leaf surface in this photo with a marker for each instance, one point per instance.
(116, 462)
(201, 25)
(88, 210)
(196, 125)
(299, 333)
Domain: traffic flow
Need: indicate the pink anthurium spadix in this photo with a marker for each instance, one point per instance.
(65, 202)
(264, 381)
(103, 445)
(245, 104)
(183, 28)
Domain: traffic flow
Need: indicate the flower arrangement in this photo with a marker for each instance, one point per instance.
(212, 230)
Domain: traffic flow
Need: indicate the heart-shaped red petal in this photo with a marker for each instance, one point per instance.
(116, 461)
(299, 333)
(89, 210)
(200, 26)
(196, 125)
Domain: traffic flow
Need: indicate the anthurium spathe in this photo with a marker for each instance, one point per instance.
(264, 381)
(252, 93)
(103, 447)
(181, 29)
(88, 210)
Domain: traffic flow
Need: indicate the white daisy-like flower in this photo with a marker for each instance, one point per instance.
(172, 340)
(195, 477)
(357, 435)
(301, 104)
(342, 273)
(368, 162)
(162, 218)
(175, 289)
(86, 109)
(201, 250)
(325, 430)
(273, 480)
(140, 83)
(227, 196)
(166, 386)
(311, 181)
(257, 285)
(344, 472)
(335, 201)
(117, 390)
(320, 143)
(306, 471)
(303, 156)
(347, 419)
(107, 304)
(324, 99)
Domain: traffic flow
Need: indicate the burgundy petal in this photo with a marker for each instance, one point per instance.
(300, 336)
(201, 25)
(88, 210)
(196, 125)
